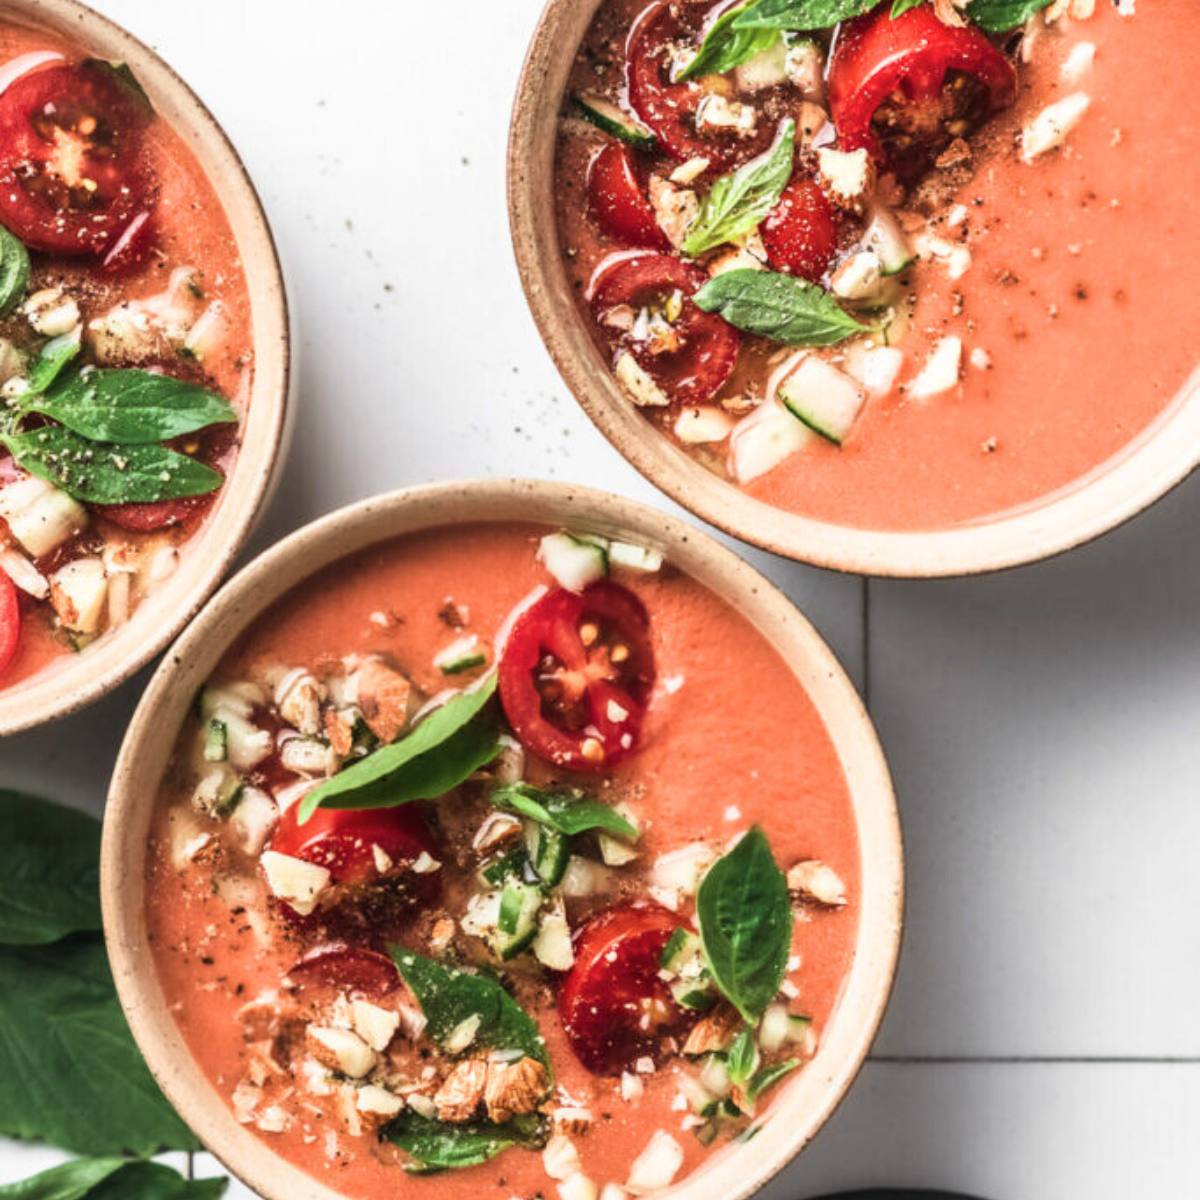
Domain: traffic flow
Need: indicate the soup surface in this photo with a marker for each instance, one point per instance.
(522, 965)
(125, 349)
(962, 244)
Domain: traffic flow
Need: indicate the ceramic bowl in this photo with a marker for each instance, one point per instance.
(73, 681)
(801, 1107)
(1151, 465)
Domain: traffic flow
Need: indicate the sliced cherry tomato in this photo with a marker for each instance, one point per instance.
(346, 968)
(72, 176)
(10, 622)
(800, 232)
(576, 675)
(613, 1005)
(905, 88)
(689, 353)
(158, 514)
(618, 199)
(669, 108)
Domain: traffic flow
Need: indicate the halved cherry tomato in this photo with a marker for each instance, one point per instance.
(904, 88)
(618, 199)
(613, 1005)
(72, 178)
(346, 968)
(159, 514)
(800, 232)
(10, 622)
(690, 356)
(669, 108)
(576, 675)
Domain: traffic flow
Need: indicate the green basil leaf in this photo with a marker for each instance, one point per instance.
(446, 748)
(112, 1179)
(745, 922)
(725, 46)
(900, 7)
(736, 203)
(51, 360)
(742, 1057)
(440, 1146)
(800, 15)
(768, 1077)
(49, 871)
(999, 16)
(14, 270)
(130, 406)
(70, 1073)
(116, 474)
(449, 995)
(568, 813)
(779, 307)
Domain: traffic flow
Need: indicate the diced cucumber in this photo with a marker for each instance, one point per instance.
(779, 1028)
(573, 561)
(688, 993)
(549, 852)
(216, 741)
(682, 948)
(604, 114)
(615, 852)
(825, 399)
(463, 654)
(552, 946)
(218, 791)
(762, 440)
(516, 923)
(886, 240)
(634, 558)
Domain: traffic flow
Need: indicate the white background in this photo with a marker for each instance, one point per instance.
(1043, 726)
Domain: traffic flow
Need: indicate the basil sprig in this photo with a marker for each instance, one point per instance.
(737, 202)
(567, 813)
(999, 16)
(14, 270)
(449, 745)
(440, 1146)
(779, 307)
(450, 995)
(745, 920)
(726, 46)
(800, 15)
(112, 1179)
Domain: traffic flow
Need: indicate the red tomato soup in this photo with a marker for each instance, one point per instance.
(903, 273)
(125, 350)
(504, 850)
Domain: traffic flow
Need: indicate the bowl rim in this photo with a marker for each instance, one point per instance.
(64, 687)
(1145, 470)
(809, 1098)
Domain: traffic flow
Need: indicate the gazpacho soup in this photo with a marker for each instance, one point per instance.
(125, 355)
(503, 850)
(896, 265)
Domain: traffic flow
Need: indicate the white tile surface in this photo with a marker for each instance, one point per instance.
(1041, 724)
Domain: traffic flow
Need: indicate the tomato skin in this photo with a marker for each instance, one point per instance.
(10, 622)
(800, 232)
(346, 968)
(563, 712)
(152, 515)
(602, 1001)
(617, 200)
(877, 57)
(86, 109)
(709, 345)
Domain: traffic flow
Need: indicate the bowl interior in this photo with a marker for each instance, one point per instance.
(805, 1103)
(1151, 465)
(74, 681)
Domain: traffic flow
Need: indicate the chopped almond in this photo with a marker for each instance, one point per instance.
(513, 1088)
(383, 697)
(814, 880)
(712, 1032)
(339, 731)
(461, 1091)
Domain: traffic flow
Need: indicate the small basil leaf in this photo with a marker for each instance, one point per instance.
(745, 922)
(800, 15)
(51, 360)
(14, 270)
(446, 748)
(768, 1077)
(779, 307)
(736, 203)
(742, 1057)
(725, 46)
(440, 1146)
(130, 406)
(449, 995)
(62, 1023)
(49, 871)
(109, 474)
(568, 813)
(900, 7)
(999, 16)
